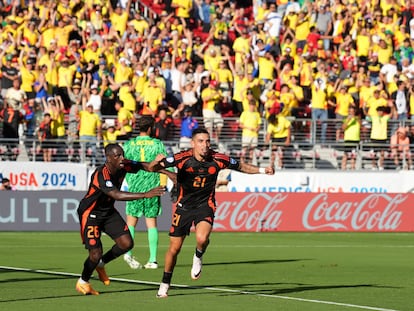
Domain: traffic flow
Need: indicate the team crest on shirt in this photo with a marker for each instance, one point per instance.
(169, 159)
(109, 184)
(232, 161)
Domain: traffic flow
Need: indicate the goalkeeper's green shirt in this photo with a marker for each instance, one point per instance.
(143, 149)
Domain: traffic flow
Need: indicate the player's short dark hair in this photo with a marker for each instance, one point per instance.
(199, 130)
(145, 123)
(110, 147)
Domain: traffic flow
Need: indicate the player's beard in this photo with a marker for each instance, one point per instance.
(206, 154)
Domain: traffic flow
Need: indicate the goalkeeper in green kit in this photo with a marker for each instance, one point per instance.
(144, 148)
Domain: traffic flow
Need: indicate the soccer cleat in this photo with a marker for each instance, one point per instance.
(163, 290)
(102, 275)
(196, 268)
(85, 288)
(132, 262)
(151, 265)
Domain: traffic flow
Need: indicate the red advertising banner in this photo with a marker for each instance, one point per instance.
(255, 212)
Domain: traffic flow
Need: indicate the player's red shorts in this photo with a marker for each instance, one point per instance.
(183, 218)
(113, 225)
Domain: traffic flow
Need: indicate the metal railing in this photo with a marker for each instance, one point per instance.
(306, 151)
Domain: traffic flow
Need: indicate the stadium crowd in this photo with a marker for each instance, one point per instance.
(82, 72)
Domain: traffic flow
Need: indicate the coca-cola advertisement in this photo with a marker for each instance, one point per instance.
(259, 212)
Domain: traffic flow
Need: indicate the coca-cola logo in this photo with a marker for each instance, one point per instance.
(254, 212)
(373, 212)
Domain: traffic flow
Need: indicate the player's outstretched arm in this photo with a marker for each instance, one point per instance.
(130, 196)
(253, 169)
(156, 165)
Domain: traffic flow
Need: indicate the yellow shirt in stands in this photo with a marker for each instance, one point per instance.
(319, 98)
(110, 136)
(153, 96)
(384, 55)
(224, 76)
(48, 35)
(65, 75)
(119, 22)
(28, 79)
(128, 99)
(62, 35)
(373, 103)
(184, 8)
(352, 131)
(342, 103)
(30, 36)
(122, 73)
(140, 26)
(288, 100)
(211, 63)
(210, 97)
(58, 124)
(139, 83)
(250, 120)
(89, 55)
(280, 129)
(89, 123)
(379, 127)
(239, 85)
(302, 29)
(241, 47)
(266, 69)
(365, 92)
(363, 44)
(125, 116)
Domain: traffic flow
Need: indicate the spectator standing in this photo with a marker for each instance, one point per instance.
(343, 101)
(163, 125)
(400, 100)
(320, 107)
(11, 118)
(188, 124)
(250, 121)
(125, 121)
(379, 136)
(9, 73)
(46, 137)
(278, 135)
(400, 149)
(351, 126)
(213, 121)
(89, 132)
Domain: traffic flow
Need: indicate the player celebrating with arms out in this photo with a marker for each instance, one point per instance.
(197, 173)
(97, 214)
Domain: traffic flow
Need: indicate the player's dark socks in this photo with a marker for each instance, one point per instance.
(88, 268)
(166, 278)
(113, 253)
(199, 253)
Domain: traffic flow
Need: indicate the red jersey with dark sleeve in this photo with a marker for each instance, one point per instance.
(197, 179)
(102, 181)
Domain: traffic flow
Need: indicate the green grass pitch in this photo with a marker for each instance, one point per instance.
(242, 271)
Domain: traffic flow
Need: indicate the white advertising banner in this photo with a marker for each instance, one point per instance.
(319, 181)
(45, 176)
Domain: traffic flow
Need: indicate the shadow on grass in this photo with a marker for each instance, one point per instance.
(268, 288)
(249, 262)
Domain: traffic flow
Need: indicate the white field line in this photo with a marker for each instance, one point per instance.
(241, 246)
(216, 289)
